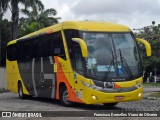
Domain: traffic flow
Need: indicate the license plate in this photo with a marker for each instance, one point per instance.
(119, 97)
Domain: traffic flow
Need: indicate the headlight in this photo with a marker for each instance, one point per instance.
(91, 86)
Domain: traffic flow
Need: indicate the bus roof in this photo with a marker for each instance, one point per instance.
(95, 26)
(79, 25)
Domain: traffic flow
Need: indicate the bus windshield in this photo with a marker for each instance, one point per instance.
(112, 56)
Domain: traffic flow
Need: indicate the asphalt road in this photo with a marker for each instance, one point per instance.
(10, 102)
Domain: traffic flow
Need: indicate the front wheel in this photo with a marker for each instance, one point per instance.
(64, 97)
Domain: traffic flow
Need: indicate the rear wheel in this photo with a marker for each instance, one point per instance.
(20, 92)
(64, 97)
(110, 105)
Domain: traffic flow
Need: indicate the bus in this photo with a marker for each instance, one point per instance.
(90, 62)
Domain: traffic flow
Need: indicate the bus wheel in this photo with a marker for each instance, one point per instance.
(64, 96)
(20, 91)
(110, 105)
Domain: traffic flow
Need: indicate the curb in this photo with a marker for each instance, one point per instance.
(152, 98)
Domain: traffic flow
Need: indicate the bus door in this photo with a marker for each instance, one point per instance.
(78, 65)
(44, 77)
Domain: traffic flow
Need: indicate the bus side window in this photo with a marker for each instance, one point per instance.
(78, 61)
(45, 45)
(11, 52)
(59, 49)
(36, 48)
(69, 34)
(18, 51)
(56, 46)
(26, 50)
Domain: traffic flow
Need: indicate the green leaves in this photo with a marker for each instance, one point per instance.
(152, 35)
(36, 5)
(34, 22)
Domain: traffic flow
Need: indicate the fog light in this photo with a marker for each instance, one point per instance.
(140, 94)
(94, 97)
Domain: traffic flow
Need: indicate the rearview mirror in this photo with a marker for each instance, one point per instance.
(147, 45)
(83, 46)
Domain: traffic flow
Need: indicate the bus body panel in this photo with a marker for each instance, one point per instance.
(95, 26)
(102, 97)
(13, 76)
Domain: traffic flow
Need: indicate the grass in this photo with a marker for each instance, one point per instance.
(155, 94)
(3, 90)
(151, 84)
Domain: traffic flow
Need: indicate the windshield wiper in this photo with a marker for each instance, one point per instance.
(125, 64)
(110, 64)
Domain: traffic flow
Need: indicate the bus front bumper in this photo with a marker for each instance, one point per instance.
(91, 96)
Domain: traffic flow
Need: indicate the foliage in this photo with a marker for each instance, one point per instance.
(2, 90)
(34, 22)
(6, 36)
(3, 6)
(36, 18)
(35, 5)
(3, 9)
(152, 35)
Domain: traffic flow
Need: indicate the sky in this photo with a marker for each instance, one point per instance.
(133, 13)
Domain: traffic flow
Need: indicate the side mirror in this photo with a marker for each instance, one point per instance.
(147, 45)
(83, 46)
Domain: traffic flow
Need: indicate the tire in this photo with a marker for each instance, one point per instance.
(64, 97)
(20, 92)
(110, 105)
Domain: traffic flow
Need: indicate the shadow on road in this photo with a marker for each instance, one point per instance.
(75, 105)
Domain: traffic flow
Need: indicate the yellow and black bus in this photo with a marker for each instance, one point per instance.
(89, 62)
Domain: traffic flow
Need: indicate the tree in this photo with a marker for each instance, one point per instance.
(6, 36)
(34, 22)
(36, 5)
(3, 9)
(152, 35)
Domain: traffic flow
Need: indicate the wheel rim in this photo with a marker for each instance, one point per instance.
(65, 96)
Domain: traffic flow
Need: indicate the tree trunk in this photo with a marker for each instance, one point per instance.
(0, 32)
(15, 18)
(0, 45)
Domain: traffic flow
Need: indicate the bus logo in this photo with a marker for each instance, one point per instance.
(6, 114)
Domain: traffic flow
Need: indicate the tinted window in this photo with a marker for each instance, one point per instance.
(78, 61)
(52, 45)
(24, 50)
(36, 48)
(46, 45)
(11, 52)
(69, 34)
